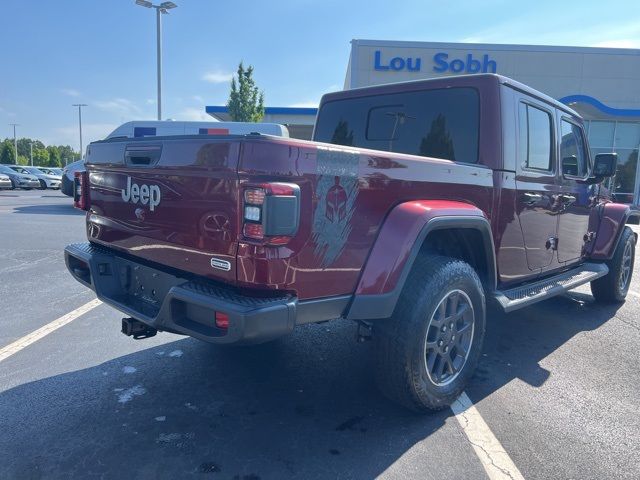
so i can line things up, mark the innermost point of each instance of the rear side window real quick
(572, 153)
(535, 138)
(431, 123)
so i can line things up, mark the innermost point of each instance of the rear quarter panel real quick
(346, 196)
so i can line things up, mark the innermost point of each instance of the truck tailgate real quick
(172, 200)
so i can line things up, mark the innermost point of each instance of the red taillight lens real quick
(222, 320)
(253, 230)
(81, 190)
(279, 188)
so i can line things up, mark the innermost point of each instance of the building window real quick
(624, 139)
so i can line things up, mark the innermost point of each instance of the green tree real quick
(40, 156)
(22, 159)
(246, 102)
(67, 154)
(7, 153)
(54, 156)
(24, 147)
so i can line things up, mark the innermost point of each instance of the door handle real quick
(531, 198)
(567, 199)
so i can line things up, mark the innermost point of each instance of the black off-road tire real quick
(613, 288)
(401, 366)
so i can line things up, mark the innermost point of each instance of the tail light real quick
(270, 212)
(81, 190)
(222, 320)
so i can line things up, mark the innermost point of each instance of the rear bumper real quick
(5, 184)
(165, 301)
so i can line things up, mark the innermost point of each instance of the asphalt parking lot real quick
(558, 385)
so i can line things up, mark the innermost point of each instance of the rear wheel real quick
(614, 286)
(429, 348)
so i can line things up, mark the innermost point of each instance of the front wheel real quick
(43, 185)
(429, 348)
(614, 286)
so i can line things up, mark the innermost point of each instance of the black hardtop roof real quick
(479, 79)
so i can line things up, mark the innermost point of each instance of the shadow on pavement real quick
(517, 342)
(301, 407)
(55, 209)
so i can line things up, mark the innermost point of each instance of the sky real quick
(103, 52)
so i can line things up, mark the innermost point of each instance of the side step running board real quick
(532, 293)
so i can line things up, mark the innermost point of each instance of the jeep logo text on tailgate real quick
(144, 194)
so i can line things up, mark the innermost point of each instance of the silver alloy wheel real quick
(449, 338)
(625, 270)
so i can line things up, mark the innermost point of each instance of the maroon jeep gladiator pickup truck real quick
(415, 206)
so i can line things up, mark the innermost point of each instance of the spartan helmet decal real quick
(336, 191)
(336, 207)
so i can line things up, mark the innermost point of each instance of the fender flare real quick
(397, 245)
(613, 219)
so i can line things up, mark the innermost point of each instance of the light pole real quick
(163, 8)
(80, 105)
(15, 141)
(31, 151)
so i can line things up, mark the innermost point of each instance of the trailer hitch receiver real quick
(136, 329)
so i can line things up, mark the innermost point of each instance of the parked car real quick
(25, 181)
(416, 204)
(46, 177)
(5, 181)
(67, 176)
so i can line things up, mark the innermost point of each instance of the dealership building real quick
(602, 84)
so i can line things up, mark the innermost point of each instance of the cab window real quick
(441, 123)
(535, 138)
(572, 153)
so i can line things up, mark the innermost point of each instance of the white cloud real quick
(70, 92)
(68, 135)
(217, 77)
(194, 114)
(150, 101)
(120, 106)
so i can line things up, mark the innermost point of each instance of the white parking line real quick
(42, 332)
(494, 458)
(635, 294)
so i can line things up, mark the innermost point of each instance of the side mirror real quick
(605, 165)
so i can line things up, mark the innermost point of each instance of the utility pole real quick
(15, 141)
(80, 105)
(31, 151)
(159, 60)
(163, 8)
